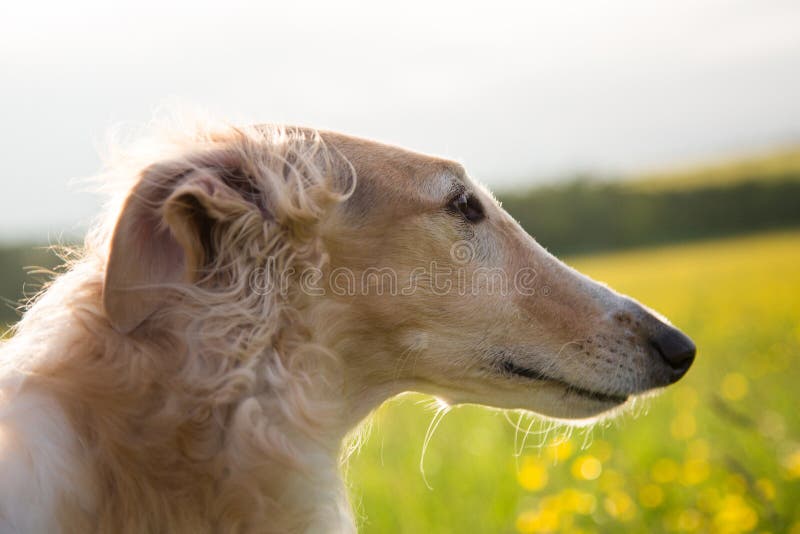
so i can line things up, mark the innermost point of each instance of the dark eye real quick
(468, 206)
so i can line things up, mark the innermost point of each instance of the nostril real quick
(675, 348)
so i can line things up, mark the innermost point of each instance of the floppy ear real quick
(164, 236)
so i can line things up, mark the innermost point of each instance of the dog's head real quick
(421, 280)
(452, 296)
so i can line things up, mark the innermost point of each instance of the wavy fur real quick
(201, 416)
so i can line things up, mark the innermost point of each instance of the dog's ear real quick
(164, 235)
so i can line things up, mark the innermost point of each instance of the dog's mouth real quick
(510, 368)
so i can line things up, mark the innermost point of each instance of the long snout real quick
(605, 343)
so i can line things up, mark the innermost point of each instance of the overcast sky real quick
(518, 92)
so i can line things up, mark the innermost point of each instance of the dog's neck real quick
(184, 448)
(267, 458)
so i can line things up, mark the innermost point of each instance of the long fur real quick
(199, 418)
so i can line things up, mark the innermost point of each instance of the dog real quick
(250, 295)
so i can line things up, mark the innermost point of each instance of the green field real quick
(718, 452)
(774, 165)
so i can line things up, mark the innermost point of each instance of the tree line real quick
(578, 217)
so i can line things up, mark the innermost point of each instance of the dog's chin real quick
(556, 398)
(551, 400)
(569, 404)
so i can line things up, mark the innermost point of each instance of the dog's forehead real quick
(398, 169)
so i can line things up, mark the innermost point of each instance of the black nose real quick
(675, 348)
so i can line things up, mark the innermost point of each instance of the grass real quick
(718, 452)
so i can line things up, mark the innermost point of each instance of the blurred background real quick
(653, 145)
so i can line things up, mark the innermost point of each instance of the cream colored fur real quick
(181, 376)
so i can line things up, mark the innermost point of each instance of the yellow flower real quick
(683, 426)
(548, 520)
(551, 502)
(619, 505)
(694, 472)
(766, 488)
(734, 386)
(586, 467)
(543, 520)
(792, 464)
(526, 522)
(532, 474)
(559, 449)
(735, 515)
(651, 495)
(579, 502)
(664, 470)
